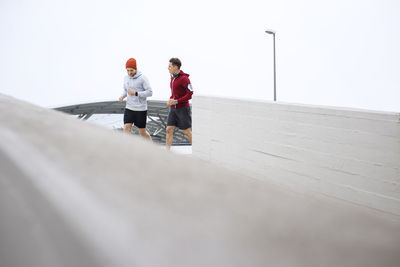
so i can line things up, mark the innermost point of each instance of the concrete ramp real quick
(75, 194)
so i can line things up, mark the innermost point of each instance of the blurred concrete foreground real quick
(75, 194)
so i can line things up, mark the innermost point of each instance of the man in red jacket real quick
(179, 109)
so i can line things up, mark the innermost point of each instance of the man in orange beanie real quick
(136, 90)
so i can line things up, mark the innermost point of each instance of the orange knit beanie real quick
(131, 63)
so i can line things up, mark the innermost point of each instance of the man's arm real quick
(147, 89)
(188, 92)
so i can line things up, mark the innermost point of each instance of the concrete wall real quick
(349, 154)
(82, 195)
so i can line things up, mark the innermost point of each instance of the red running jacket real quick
(181, 89)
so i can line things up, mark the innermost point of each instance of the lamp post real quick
(273, 33)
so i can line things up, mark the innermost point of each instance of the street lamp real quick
(273, 33)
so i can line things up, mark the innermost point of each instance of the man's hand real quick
(131, 92)
(121, 98)
(171, 102)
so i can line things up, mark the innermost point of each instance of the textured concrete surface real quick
(349, 154)
(75, 194)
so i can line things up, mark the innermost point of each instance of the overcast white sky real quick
(336, 53)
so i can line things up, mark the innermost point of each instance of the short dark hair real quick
(176, 62)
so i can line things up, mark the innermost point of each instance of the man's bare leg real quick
(127, 127)
(169, 137)
(144, 133)
(188, 133)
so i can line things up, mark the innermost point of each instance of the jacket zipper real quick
(173, 96)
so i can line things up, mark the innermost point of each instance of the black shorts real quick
(180, 117)
(138, 118)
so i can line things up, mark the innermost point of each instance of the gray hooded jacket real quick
(140, 84)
